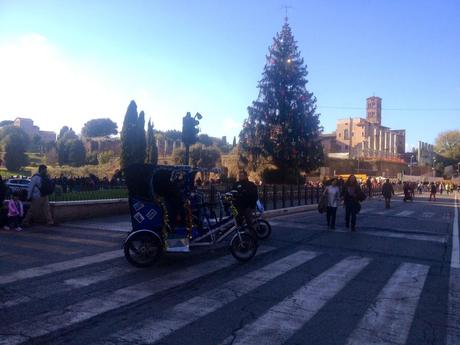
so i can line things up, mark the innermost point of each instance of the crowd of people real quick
(352, 192)
(68, 184)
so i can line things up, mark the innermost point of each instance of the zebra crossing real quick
(387, 320)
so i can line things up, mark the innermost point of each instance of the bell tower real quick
(374, 110)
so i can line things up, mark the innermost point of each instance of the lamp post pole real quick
(434, 170)
(410, 166)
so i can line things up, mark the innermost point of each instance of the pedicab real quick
(168, 216)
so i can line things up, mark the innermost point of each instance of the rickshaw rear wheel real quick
(143, 249)
(243, 246)
(263, 229)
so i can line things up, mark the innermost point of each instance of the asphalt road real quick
(395, 281)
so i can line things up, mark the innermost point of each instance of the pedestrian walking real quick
(387, 192)
(15, 212)
(369, 187)
(433, 190)
(332, 193)
(352, 196)
(40, 188)
(3, 208)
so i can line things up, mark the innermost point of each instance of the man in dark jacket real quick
(387, 192)
(245, 199)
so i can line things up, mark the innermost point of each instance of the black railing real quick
(272, 196)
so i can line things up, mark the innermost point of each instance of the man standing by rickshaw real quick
(245, 200)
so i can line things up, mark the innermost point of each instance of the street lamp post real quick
(410, 166)
(434, 170)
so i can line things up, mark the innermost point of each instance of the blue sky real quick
(65, 62)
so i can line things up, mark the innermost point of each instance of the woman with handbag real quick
(332, 195)
(352, 196)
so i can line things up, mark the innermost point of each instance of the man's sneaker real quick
(6, 227)
(18, 228)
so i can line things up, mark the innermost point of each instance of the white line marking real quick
(53, 321)
(70, 284)
(391, 234)
(280, 322)
(59, 266)
(152, 330)
(389, 319)
(455, 258)
(100, 276)
(367, 210)
(453, 314)
(427, 214)
(417, 237)
(404, 213)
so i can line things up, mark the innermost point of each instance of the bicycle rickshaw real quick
(167, 215)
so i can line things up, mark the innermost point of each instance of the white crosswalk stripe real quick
(405, 213)
(428, 214)
(59, 267)
(367, 210)
(393, 233)
(388, 321)
(287, 317)
(185, 313)
(87, 309)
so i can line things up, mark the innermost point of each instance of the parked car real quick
(17, 184)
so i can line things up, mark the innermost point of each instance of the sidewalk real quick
(122, 223)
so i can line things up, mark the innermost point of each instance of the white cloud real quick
(38, 81)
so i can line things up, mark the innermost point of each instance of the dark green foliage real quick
(283, 126)
(99, 128)
(65, 137)
(173, 135)
(234, 142)
(133, 143)
(204, 156)
(63, 152)
(6, 123)
(141, 139)
(152, 149)
(77, 153)
(67, 133)
(277, 176)
(15, 142)
(447, 144)
(205, 139)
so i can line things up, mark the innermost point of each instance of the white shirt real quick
(333, 196)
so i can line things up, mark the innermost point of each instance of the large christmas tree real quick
(283, 125)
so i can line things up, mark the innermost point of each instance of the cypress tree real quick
(128, 137)
(152, 149)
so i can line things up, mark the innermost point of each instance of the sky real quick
(66, 62)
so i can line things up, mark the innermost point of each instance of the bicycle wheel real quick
(243, 247)
(143, 249)
(263, 229)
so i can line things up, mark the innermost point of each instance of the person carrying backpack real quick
(40, 188)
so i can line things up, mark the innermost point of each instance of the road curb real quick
(289, 210)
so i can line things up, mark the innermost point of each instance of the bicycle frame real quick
(223, 227)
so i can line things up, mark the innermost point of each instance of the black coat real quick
(387, 190)
(247, 194)
(352, 194)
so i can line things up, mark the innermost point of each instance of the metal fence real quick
(272, 196)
